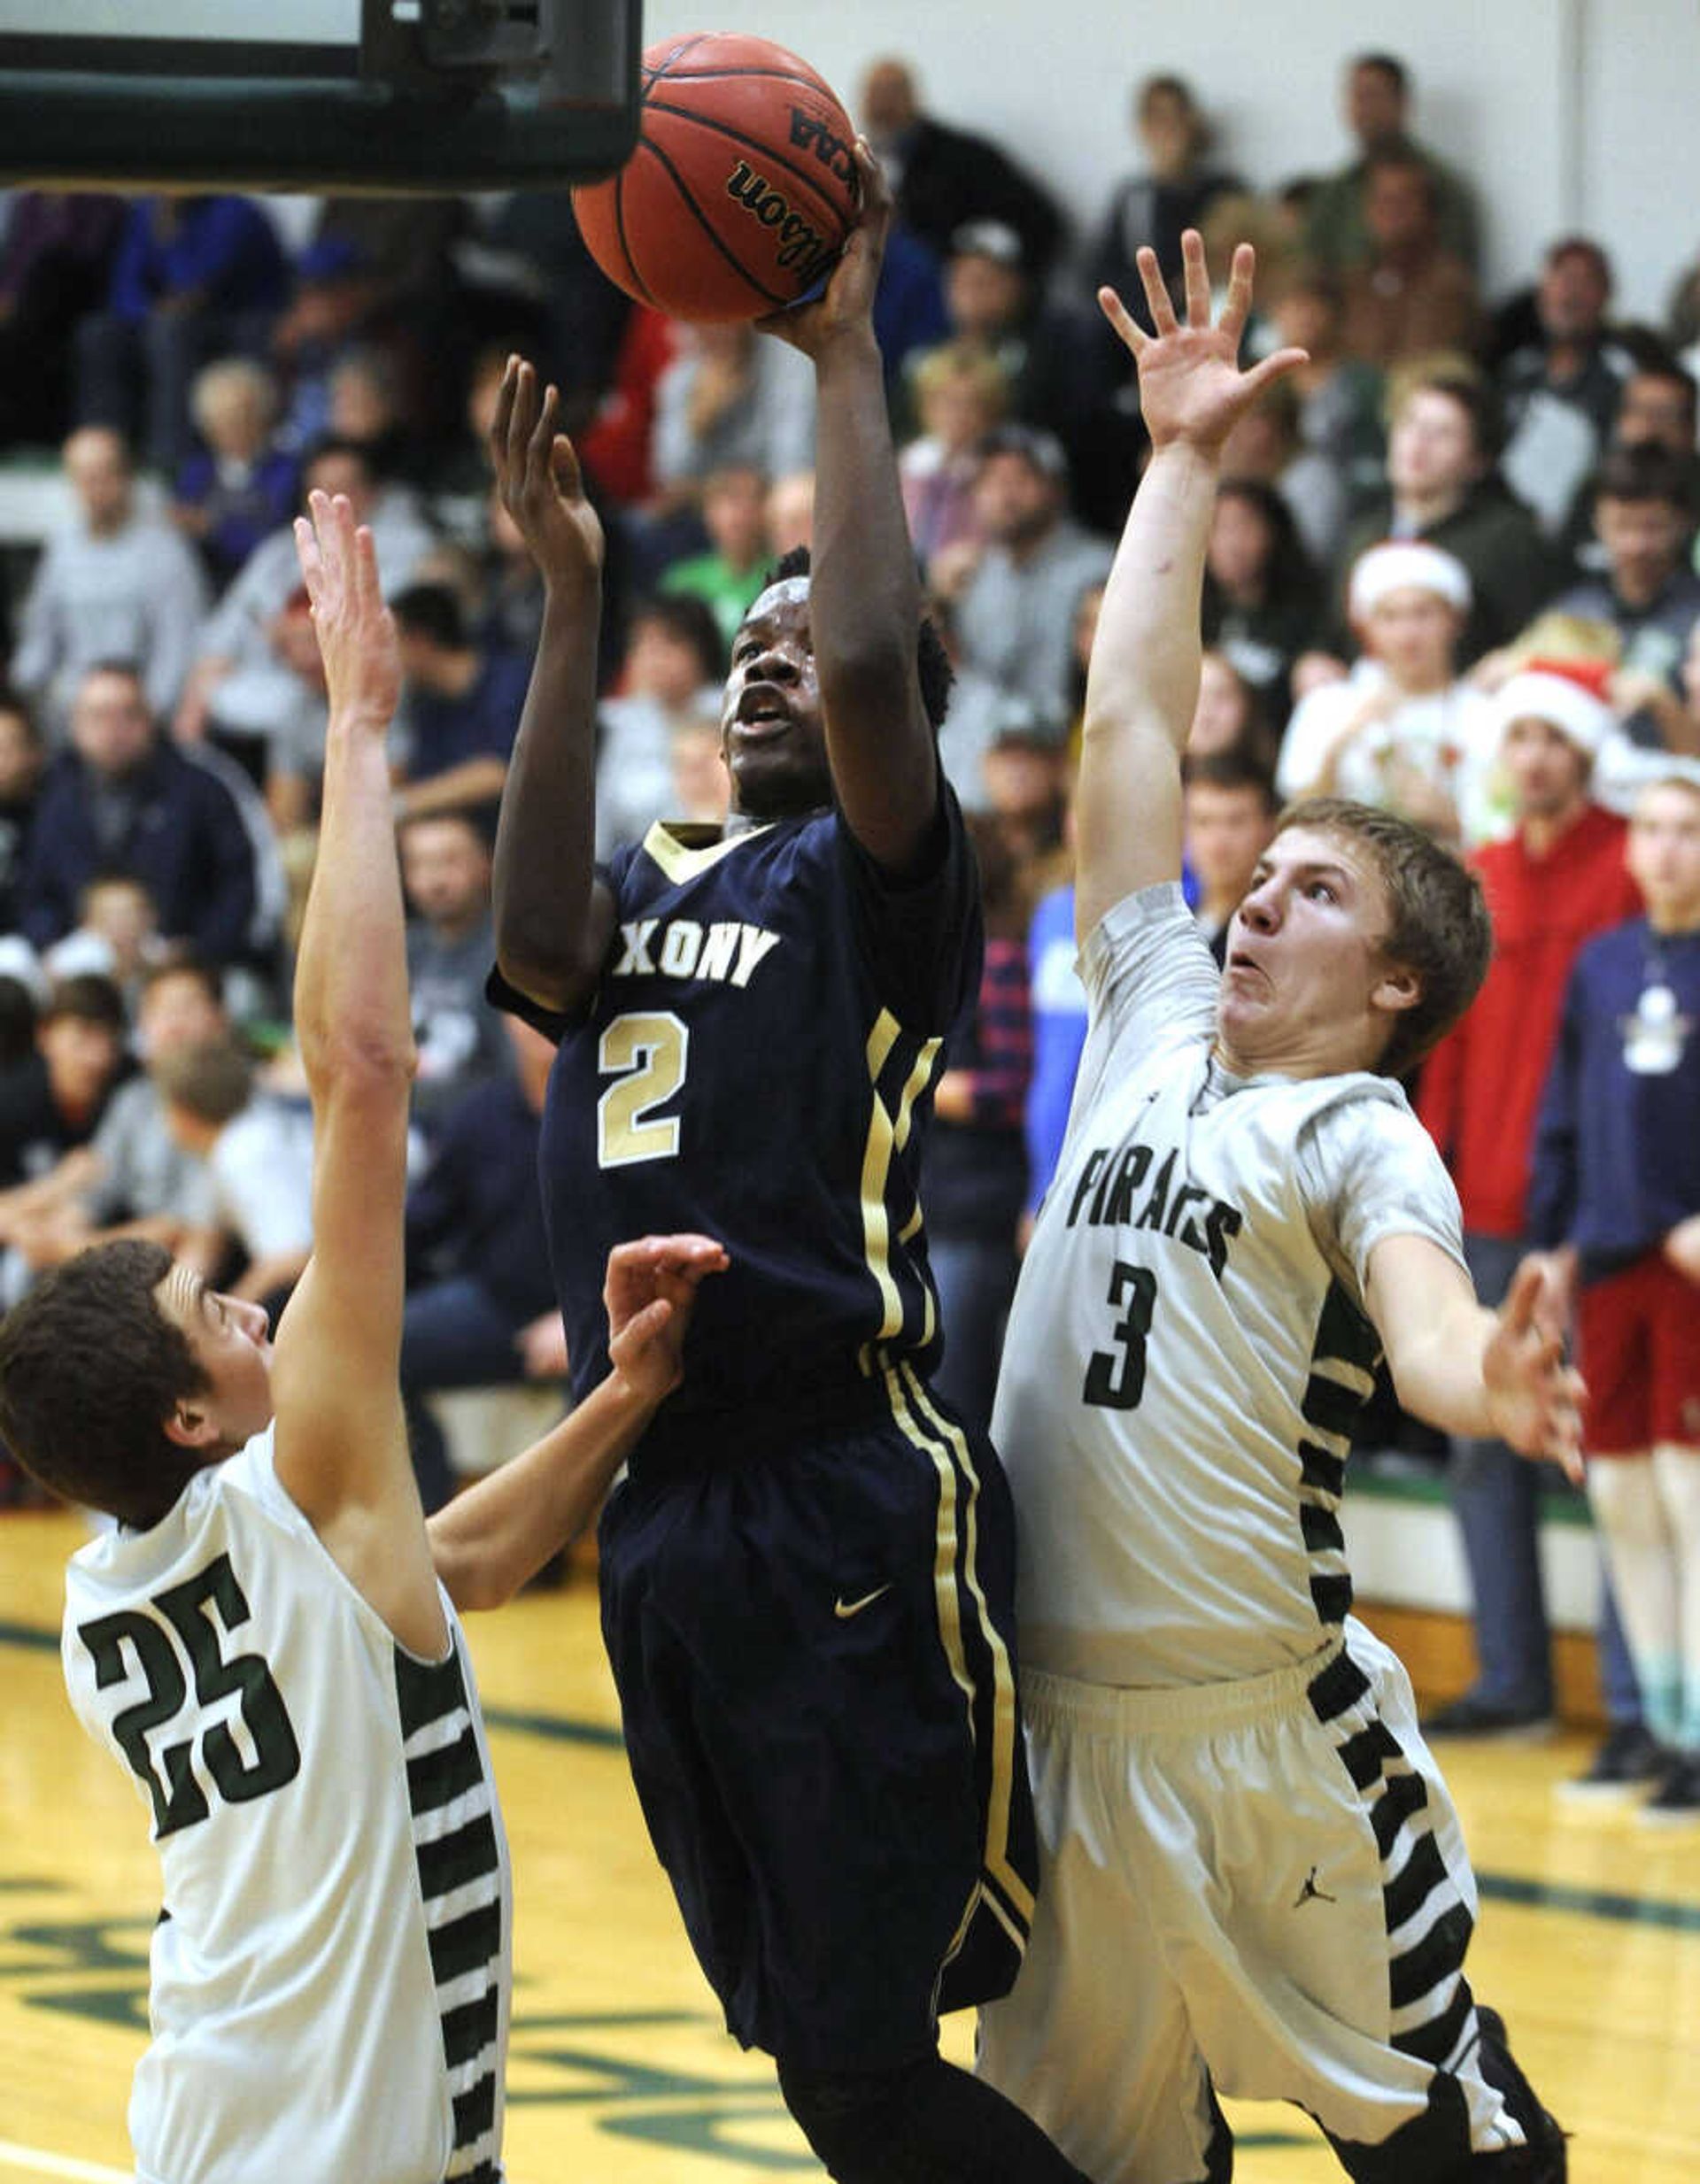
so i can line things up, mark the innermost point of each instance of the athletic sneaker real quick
(1471, 1717)
(1544, 2160)
(1677, 1797)
(1630, 1757)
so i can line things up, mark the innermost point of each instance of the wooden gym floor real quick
(1590, 1939)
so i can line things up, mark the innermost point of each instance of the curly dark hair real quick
(932, 661)
(91, 1369)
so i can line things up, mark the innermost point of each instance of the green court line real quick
(1497, 1887)
(1560, 1504)
(1547, 1895)
(560, 1728)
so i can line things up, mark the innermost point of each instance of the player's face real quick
(232, 1345)
(771, 732)
(1307, 988)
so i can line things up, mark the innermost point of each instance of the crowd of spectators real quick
(1452, 562)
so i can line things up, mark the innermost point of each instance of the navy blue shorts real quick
(812, 1643)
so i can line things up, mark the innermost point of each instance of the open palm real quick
(355, 630)
(1192, 389)
(537, 475)
(1534, 1398)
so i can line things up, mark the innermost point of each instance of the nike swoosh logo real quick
(845, 1608)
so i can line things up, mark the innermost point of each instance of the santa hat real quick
(1407, 565)
(1568, 694)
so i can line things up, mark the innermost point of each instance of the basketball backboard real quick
(382, 94)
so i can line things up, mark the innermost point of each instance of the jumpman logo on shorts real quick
(1310, 1892)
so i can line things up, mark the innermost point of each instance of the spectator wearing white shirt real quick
(258, 1149)
(1402, 731)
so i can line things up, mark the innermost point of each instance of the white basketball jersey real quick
(1187, 1351)
(331, 1972)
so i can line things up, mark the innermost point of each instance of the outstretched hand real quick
(649, 1293)
(1534, 1398)
(848, 305)
(538, 478)
(1192, 389)
(355, 630)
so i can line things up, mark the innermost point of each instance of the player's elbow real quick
(550, 970)
(473, 1585)
(1134, 723)
(361, 1066)
(546, 984)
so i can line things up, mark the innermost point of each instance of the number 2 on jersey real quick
(179, 1800)
(648, 1052)
(1116, 1378)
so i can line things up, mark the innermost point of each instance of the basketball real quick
(741, 190)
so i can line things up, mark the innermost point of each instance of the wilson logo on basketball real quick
(802, 247)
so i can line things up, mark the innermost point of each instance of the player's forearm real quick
(865, 607)
(1437, 1373)
(491, 1540)
(1145, 657)
(354, 1025)
(544, 864)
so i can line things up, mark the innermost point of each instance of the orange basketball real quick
(742, 189)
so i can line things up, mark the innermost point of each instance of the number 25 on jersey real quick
(199, 1615)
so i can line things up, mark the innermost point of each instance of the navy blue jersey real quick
(757, 1062)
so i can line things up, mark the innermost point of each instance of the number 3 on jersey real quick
(645, 1053)
(1116, 1378)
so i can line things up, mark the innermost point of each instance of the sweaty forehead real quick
(780, 602)
(1315, 845)
(179, 1294)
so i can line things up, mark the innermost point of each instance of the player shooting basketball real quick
(806, 1579)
